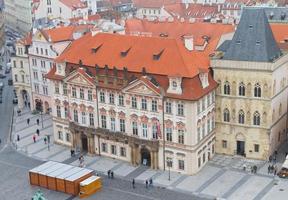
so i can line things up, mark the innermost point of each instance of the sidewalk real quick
(223, 177)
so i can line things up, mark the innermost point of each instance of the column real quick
(152, 159)
(156, 159)
(91, 144)
(132, 155)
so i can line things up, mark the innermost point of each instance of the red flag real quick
(158, 129)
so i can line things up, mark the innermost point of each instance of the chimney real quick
(189, 42)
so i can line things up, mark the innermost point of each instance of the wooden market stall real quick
(89, 186)
(60, 179)
(43, 179)
(33, 173)
(51, 177)
(72, 183)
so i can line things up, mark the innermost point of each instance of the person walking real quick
(25, 102)
(29, 105)
(28, 121)
(18, 138)
(45, 140)
(275, 170)
(112, 174)
(133, 183)
(38, 122)
(150, 182)
(146, 182)
(34, 138)
(109, 172)
(38, 132)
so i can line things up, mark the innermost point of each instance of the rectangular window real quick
(181, 164)
(14, 63)
(154, 131)
(256, 148)
(57, 89)
(203, 104)
(23, 78)
(181, 136)
(58, 108)
(15, 78)
(135, 128)
(104, 147)
(168, 108)
(169, 134)
(35, 74)
(75, 116)
(91, 119)
(66, 112)
(144, 130)
(45, 90)
(89, 95)
(134, 102)
(111, 98)
(199, 162)
(60, 135)
(203, 130)
(21, 64)
(113, 149)
(208, 126)
(83, 118)
(123, 151)
(208, 100)
(103, 121)
(74, 94)
(180, 109)
(144, 104)
(46, 52)
(102, 97)
(224, 144)
(121, 100)
(36, 87)
(122, 125)
(154, 106)
(65, 89)
(198, 107)
(81, 93)
(113, 124)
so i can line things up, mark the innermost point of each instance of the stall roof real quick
(89, 180)
(42, 167)
(69, 173)
(60, 171)
(78, 175)
(51, 169)
(285, 164)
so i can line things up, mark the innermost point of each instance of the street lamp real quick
(169, 164)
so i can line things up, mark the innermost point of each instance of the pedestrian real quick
(34, 138)
(71, 152)
(146, 182)
(29, 104)
(270, 159)
(133, 183)
(25, 102)
(28, 121)
(45, 140)
(275, 170)
(112, 174)
(19, 112)
(269, 169)
(150, 182)
(255, 169)
(38, 122)
(18, 138)
(109, 171)
(244, 167)
(38, 132)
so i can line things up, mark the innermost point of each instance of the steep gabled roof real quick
(253, 39)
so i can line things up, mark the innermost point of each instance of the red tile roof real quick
(27, 40)
(153, 3)
(91, 18)
(174, 59)
(73, 4)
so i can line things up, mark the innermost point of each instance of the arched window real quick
(241, 117)
(226, 115)
(257, 90)
(227, 88)
(241, 89)
(256, 118)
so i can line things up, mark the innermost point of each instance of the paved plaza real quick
(223, 177)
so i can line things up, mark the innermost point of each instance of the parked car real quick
(15, 100)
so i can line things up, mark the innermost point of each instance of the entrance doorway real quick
(145, 157)
(84, 142)
(240, 148)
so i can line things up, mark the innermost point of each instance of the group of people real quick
(272, 169)
(253, 168)
(110, 174)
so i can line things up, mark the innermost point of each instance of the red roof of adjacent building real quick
(153, 3)
(91, 18)
(27, 40)
(73, 4)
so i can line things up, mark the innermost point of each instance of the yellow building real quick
(251, 101)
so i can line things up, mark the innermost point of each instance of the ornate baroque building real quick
(145, 100)
(251, 100)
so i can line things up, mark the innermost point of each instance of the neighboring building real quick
(251, 100)
(21, 72)
(2, 30)
(46, 45)
(60, 9)
(113, 98)
(18, 14)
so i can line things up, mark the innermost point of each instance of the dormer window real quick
(157, 56)
(124, 53)
(174, 83)
(204, 79)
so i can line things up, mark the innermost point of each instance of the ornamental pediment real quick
(140, 88)
(79, 79)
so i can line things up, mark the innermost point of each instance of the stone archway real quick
(240, 144)
(84, 142)
(145, 156)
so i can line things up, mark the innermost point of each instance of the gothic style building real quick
(145, 100)
(251, 100)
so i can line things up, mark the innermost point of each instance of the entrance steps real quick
(137, 172)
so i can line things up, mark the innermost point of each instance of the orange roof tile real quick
(91, 18)
(140, 52)
(153, 3)
(73, 4)
(280, 31)
(27, 40)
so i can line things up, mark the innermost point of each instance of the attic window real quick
(94, 50)
(157, 56)
(124, 53)
(258, 42)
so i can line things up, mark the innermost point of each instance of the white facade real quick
(152, 13)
